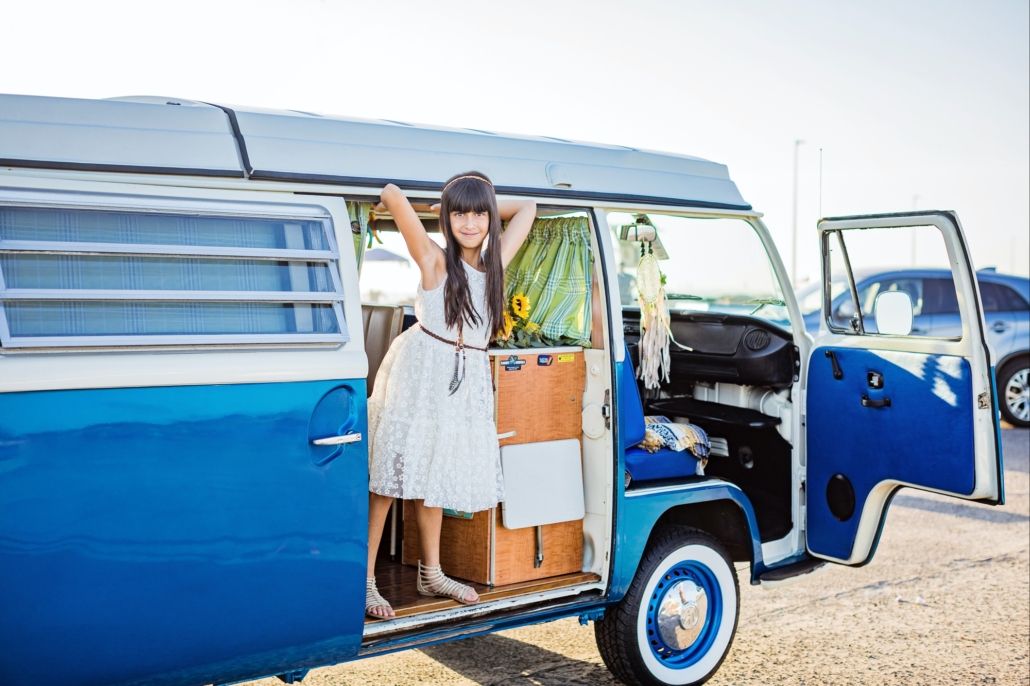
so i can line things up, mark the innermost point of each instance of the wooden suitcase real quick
(538, 394)
(539, 397)
(466, 551)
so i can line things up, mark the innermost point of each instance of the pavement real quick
(946, 600)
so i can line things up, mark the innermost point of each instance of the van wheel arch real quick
(722, 519)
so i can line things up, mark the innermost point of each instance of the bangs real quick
(470, 195)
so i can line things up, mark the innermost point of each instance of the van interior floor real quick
(396, 583)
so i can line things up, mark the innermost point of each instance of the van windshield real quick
(709, 265)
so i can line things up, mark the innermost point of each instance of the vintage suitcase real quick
(538, 393)
(466, 551)
(539, 400)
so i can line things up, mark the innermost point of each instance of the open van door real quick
(887, 405)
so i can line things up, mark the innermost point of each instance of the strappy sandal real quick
(374, 600)
(432, 582)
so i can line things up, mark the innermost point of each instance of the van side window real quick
(850, 253)
(867, 295)
(85, 277)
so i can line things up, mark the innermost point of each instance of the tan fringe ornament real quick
(655, 361)
(655, 334)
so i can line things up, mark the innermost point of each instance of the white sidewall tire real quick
(724, 573)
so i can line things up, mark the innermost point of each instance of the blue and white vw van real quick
(185, 361)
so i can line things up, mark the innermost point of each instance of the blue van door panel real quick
(182, 534)
(885, 411)
(924, 437)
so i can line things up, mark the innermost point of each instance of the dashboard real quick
(729, 348)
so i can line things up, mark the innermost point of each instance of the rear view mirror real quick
(893, 312)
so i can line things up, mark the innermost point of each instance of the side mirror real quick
(893, 312)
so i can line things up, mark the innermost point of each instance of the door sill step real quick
(800, 568)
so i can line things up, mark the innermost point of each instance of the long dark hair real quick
(472, 192)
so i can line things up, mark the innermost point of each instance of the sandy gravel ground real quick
(946, 600)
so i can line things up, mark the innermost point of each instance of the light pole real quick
(794, 231)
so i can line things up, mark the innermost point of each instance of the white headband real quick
(468, 176)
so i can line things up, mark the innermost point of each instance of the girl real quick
(433, 437)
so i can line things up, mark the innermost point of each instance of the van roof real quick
(176, 136)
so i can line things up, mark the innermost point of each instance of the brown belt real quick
(458, 344)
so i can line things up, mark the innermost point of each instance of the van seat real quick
(642, 465)
(382, 324)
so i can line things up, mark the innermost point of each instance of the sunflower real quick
(520, 305)
(509, 323)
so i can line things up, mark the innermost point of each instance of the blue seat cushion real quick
(664, 464)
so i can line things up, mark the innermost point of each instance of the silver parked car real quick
(1006, 304)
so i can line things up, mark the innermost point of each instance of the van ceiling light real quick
(558, 176)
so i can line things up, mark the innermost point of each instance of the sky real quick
(913, 104)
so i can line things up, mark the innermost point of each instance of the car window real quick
(939, 297)
(810, 298)
(1013, 299)
(854, 251)
(999, 298)
(914, 288)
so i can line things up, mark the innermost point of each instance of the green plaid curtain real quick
(358, 212)
(554, 270)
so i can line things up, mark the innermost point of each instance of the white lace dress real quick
(425, 443)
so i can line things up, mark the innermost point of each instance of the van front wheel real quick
(677, 621)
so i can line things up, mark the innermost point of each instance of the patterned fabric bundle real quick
(553, 269)
(660, 433)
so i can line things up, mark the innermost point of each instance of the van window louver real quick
(103, 277)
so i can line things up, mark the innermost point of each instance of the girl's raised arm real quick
(427, 254)
(520, 215)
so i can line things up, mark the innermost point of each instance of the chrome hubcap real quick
(1017, 395)
(682, 614)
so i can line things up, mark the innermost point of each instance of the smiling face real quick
(470, 229)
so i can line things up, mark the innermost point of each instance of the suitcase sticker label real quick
(513, 363)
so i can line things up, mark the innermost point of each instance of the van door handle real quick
(867, 402)
(1000, 327)
(338, 440)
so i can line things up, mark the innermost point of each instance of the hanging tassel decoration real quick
(459, 367)
(455, 379)
(655, 333)
(655, 360)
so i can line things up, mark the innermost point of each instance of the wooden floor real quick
(396, 583)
